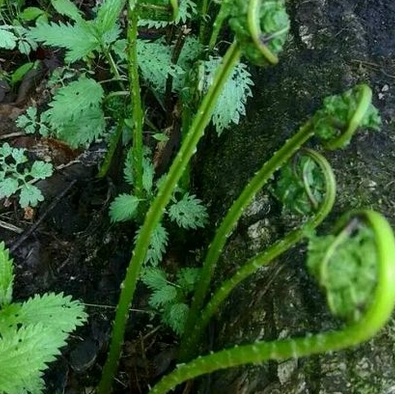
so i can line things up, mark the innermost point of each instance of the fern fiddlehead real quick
(379, 302)
(317, 125)
(266, 257)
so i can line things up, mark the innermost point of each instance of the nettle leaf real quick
(163, 296)
(128, 169)
(108, 14)
(6, 276)
(79, 39)
(8, 187)
(124, 208)
(233, 98)
(8, 39)
(89, 127)
(155, 63)
(30, 196)
(187, 278)
(157, 245)
(188, 212)
(148, 174)
(153, 277)
(68, 8)
(175, 316)
(41, 170)
(71, 100)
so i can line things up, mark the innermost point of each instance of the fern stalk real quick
(156, 210)
(224, 231)
(137, 112)
(377, 314)
(266, 257)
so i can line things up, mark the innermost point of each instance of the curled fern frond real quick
(260, 27)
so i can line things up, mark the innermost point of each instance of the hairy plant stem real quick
(156, 210)
(203, 18)
(137, 111)
(266, 257)
(218, 22)
(378, 312)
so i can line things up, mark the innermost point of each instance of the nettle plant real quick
(31, 332)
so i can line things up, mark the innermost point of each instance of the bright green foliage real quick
(15, 176)
(124, 208)
(157, 245)
(13, 36)
(31, 333)
(169, 298)
(76, 112)
(30, 122)
(233, 98)
(337, 112)
(83, 37)
(67, 8)
(300, 186)
(345, 267)
(188, 212)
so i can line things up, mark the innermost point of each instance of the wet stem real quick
(156, 210)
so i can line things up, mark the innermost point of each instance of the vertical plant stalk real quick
(224, 231)
(266, 257)
(137, 111)
(203, 17)
(222, 14)
(156, 210)
(377, 314)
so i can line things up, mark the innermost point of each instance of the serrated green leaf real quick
(175, 316)
(41, 170)
(124, 208)
(188, 212)
(8, 187)
(187, 278)
(79, 39)
(163, 296)
(70, 101)
(7, 39)
(154, 278)
(19, 155)
(30, 196)
(55, 311)
(108, 14)
(68, 8)
(6, 276)
(233, 98)
(5, 149)
(148, 174)
(157, 246)
(128, 169)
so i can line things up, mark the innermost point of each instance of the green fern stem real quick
(267, 256)
(137, 112)
(377, 314)
(224, 231)
(219, 20)
(156, 210)
(203, 20)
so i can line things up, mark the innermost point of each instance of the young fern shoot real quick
(365, 249)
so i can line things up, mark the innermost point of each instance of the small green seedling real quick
(31, 332)
(17, 176)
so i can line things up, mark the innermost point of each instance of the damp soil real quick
(69, 245)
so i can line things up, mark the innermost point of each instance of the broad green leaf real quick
(72, 100)
(124, 208)
(30, 196)
(8, 187)
(31, 13)
(6, 276)
(41, 170)
(79, 39)
(68, 8)
(7, 39)
(20, 72)
(19, 155)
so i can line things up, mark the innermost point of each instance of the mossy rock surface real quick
(333, 45)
